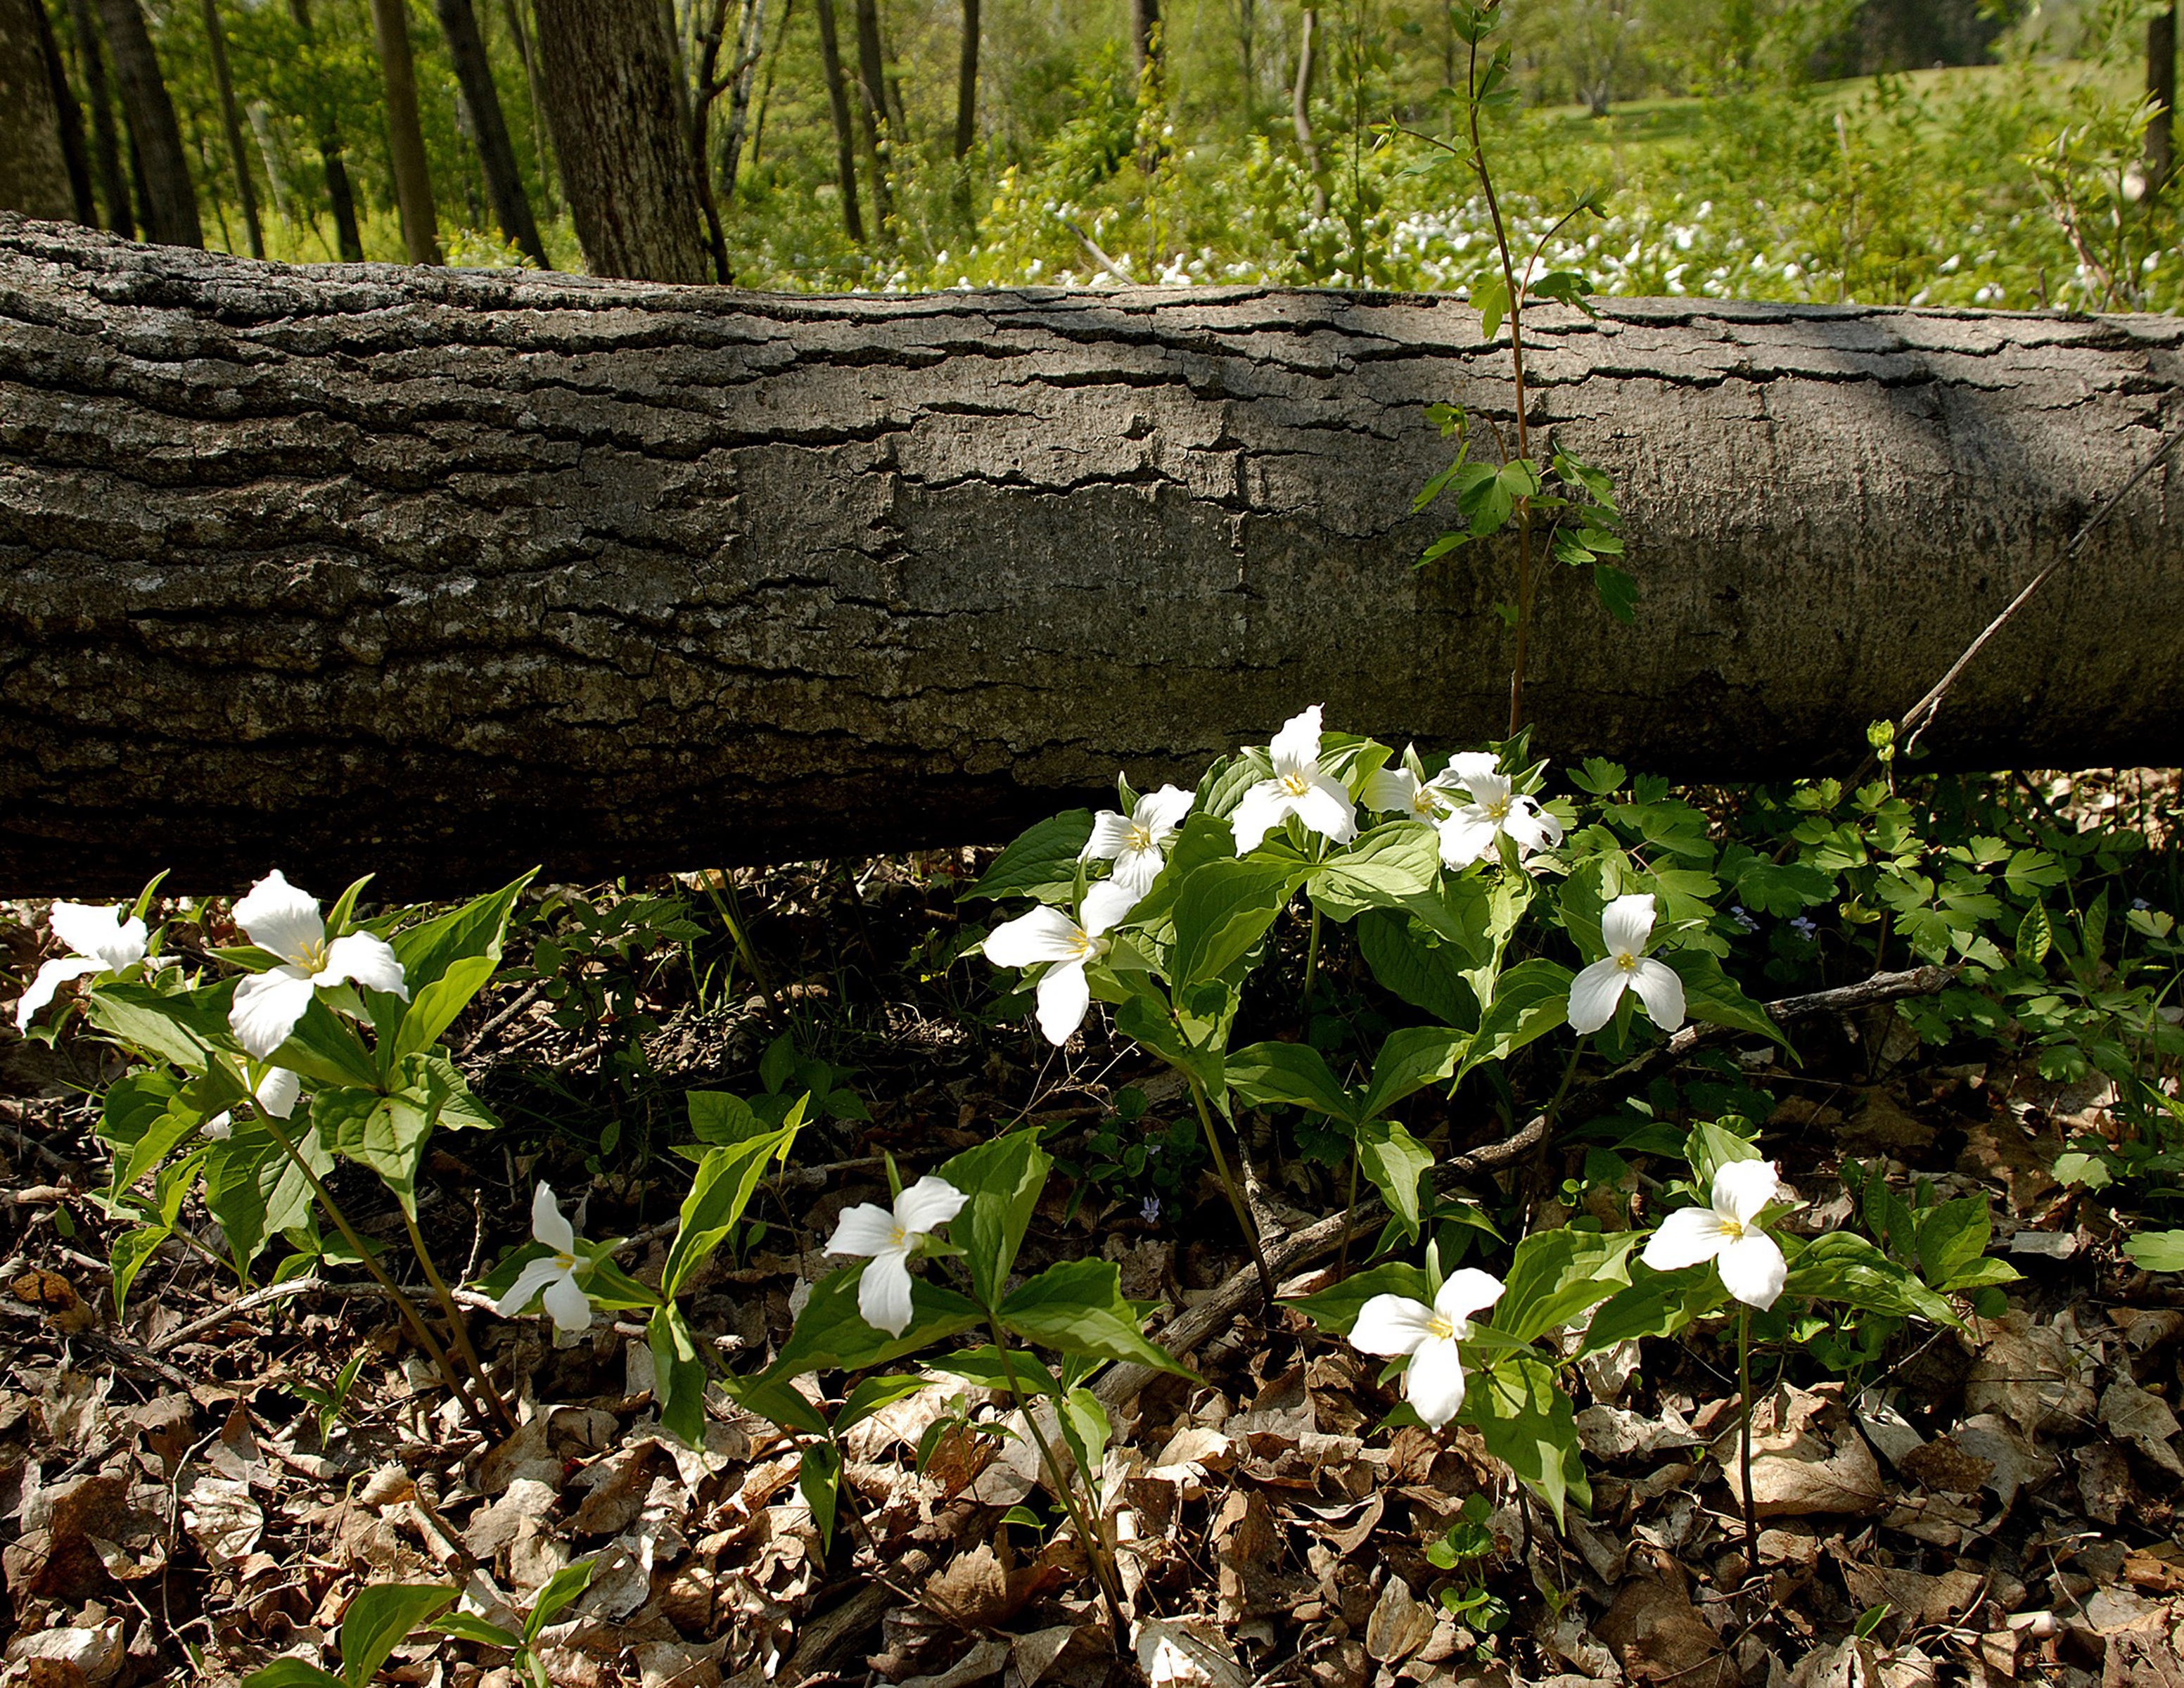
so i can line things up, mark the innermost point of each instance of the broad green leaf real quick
(380, 1618)
(1041, 863)
(1709, 1146)
(2036, 937)
(873, 1394)
(1336, 1308)
(1527, 1422)
(476, 929)
(991, 1367)
(831, 1335)
(1288, 1075)
(1952, 1238)
(1395, 1161)
(1530, 999)
(1781, 888)
(727, 1177)
(433, 1009)
(1003, 1179)
(1223, 910)
(2156, 1250)
(254, 1190)
(385, 1132)
(1658, 1304)
(776, 1399)
(326, 1049)
(819, 1480)
(1145, 1021)
(1077, 1307)
(678, 1375)
(1710, 995)
(1087, 1429)
(1410, 1059)
(716, 1116)
(182, 1028)
(1387, 867)
(291, 1673)
(1842, 1266)
(1425, 973)
(1556, 1275)
(126, 1258)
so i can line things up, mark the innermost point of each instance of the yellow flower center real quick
(1627, 961)
(1498, 809)
(1138, 838)
(898, 1236)
(1731, 1229)
(1295, 784)
(1441, 1328)
(567, 1263)
(312, 959)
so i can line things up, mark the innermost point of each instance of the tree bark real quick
(440, 574)
(504, 181)
(871, 109)
(105, 141)
(966, 83)
(513, 11)
(231, 117)
(837, 100)
(1145, 42)
(609, 73)
(163, 193)
(405, 134)
(710, 86)
(340, 198)
(33, 174)
(1300, 106)
(69, 116)
(2161, 94)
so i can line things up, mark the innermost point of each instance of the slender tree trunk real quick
(766, 89)
(708, 86)
(169, 201)
(966, 83)
(34, 175)
(2161, 94)
(504, 180)
(664, 579)
(1146, 45)
(279, 190)
(872, 110)
(105, 139)
(69, 118)
(609, 71)
(1247, 49)
(405, 135)
(743, 79)
(513, 11)
(231, 117)
(1301, 107)
(838, 99)
(340, 198)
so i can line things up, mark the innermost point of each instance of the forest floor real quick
(1991, 1506)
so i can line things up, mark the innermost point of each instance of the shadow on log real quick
(441, 573)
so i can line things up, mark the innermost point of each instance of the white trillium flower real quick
(1726, 1233)
(1298, 788)
(276, 1092)
(1625, 924)
(1133, 843)
(99, 941)
(556, 1274)
(1047, 935)
(1406, 790)
(1395, 1325)
(278, 917)
(887, 1238)
(1496, 808)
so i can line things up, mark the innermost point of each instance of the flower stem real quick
(1228, 1183)
(418, 1327)
(1095, 1546)
(1311, 958)
(1744, 1435)
(458, 1326)
(1342, 1260)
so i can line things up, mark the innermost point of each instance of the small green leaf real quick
(1002, 1180)
(1410, 1059)
(2036, 937)
(380, 1618)
(819, 1480)
(2156, 1250)
(1395, 1161)
(1336, 1308)
(1041, 863)
(727, 1177)
(1288, 1075)
(1077, 1307)
(1530, 999)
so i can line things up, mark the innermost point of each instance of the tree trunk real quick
(105, 141)
(164, 192)
(1300, 106)
(513, 11)
(871, 109)
(504, 181)
(405, 135)
(1146, 44)
(33, 174)
(70, 117)
(609, 74)
(340, 198)
(2161, 94)
(231, 117)
(441, 573)
(710, 85)
(838, 99)
(966, 83)
(743, 81)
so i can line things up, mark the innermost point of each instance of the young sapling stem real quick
(1744, 1436)
(459, 1328)
(1229, 1184)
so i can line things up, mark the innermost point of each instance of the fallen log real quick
(442, 573)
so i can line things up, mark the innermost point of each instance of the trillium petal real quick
(1551, 829)
(1295, 749)
(1045, 934)
(370, 961)
(1466, 1292)
(1660, 990)
(1326, 808)
(884, 1293)
(1467, 835)
(1627, 922)
(266, 1008)
(927, 1205)
(278, 1092)
(1742, 1190)
(1064, 995)
(1106, 905)
(1111, 836)
(1163, 810)
(1531, 829)
(547, 1224)
(277, 917)
(1435, 1384)
(1466, 769)
(1390, 1325)
(571, 1308)
(866, 1229)
(1135, 870)
(1686, 1237)
(1753, 1269)
(50, 978)
(529, 1283)
(1261, 809)
(89, 929)
(1594, 994)
(1390, 791)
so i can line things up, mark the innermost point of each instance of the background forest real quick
(1990, 153)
